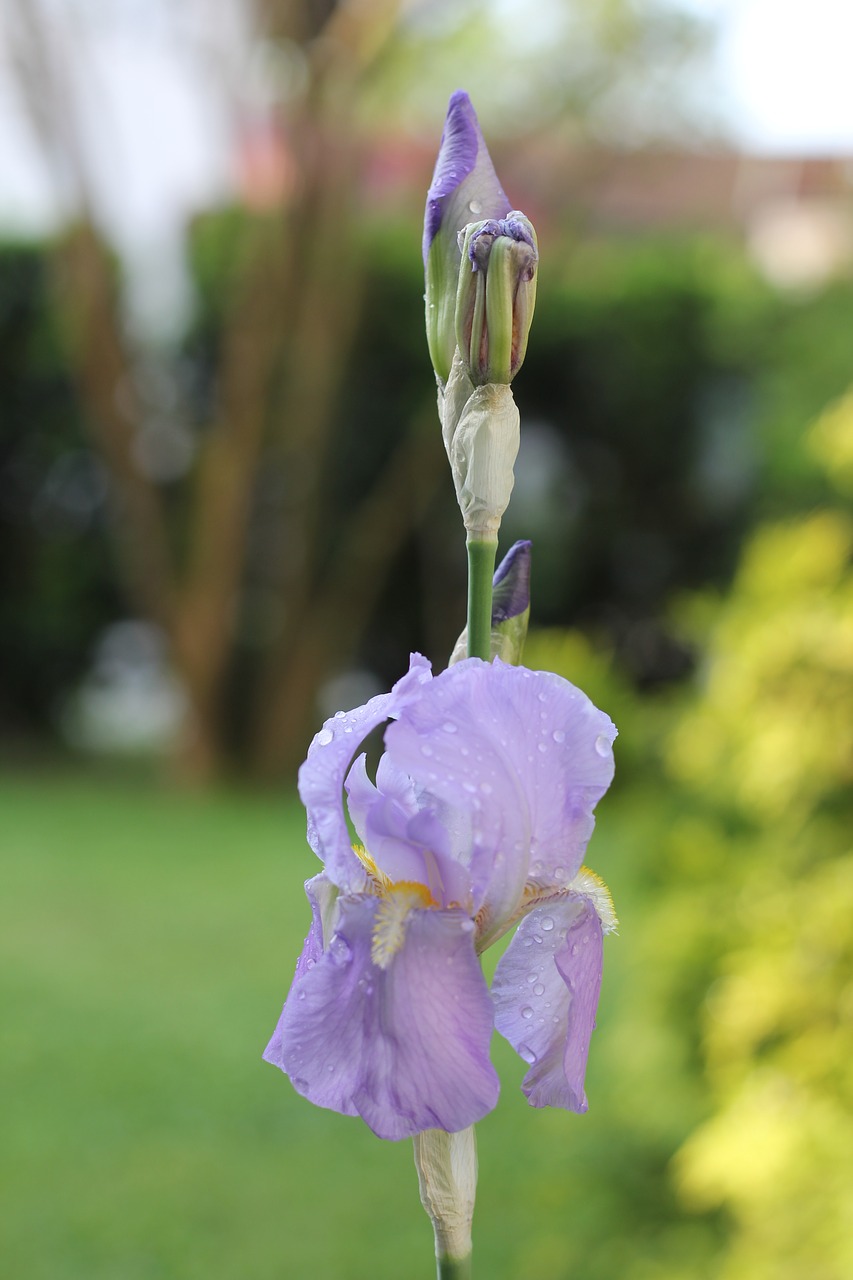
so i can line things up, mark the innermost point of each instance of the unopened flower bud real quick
(496, 296)
(464, 186)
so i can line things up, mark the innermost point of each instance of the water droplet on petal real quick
(558, 735)
(486, 788)
(539, 989)
(324, 737)
(524, 1051)
(537, 937)
(465, 751)
(543, 697)
(339, 950)
(475, 207)
(426, 750)
(542, 747)
(469, 787)
(602, 745)
(449, 726)
(299, 1083)
(309, 964)
(546, 923)
(559, 874)
(533, 975)
(331, 1068)
(527, 1012)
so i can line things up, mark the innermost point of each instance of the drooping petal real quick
(525, 754)
(545, 993)
(405, 1046)
(321, 777)
(322, 895)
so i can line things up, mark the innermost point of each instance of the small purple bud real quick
(511, 583)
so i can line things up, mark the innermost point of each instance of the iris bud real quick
(496, 296)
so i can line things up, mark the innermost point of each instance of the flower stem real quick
(481, 566)
(454, 1268)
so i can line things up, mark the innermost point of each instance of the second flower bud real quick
(496, 296)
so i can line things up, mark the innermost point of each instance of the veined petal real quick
(545, 992)
(321, 777)
(406, 1046)
(526, 755)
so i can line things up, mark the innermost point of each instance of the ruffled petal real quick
(545, 993)
(525, 754)
(321, 777)
(405, 1046)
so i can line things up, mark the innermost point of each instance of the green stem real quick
(481, 566)
(454, 1268)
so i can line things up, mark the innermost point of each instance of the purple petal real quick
(407, 1046)
(525, 754)
(405, 842)
(321, 777)
(321, 894)
(464, 184)
(511, 584)
(545, 993)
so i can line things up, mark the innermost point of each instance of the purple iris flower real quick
(478, 819)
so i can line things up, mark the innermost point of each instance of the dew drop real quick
(558, 735)
(524, 1051)
(527, 1012)
(339, 950)
(449, 726)
(528, 942)
(309, 964)
(559, 874)
(532, 976)
(301, 995)
(426, 750)
(465, 751)
(475, 207)
(602, 745)
(339, 715)
(299, 1083)
(324, 737)
(546, 923)
(537, 937)
(543, 697)
(486, 788)
(469, 787)
(542, 747)
(539, 989)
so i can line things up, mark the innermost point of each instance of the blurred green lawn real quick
(147, 941)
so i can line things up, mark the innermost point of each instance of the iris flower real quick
(477, 821)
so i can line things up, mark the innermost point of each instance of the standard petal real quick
(545, 993)
(406, 1046)
(321, 777)
(526, 754)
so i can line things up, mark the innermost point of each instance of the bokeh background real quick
(226, 513)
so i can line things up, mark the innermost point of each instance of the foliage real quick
(57, 584)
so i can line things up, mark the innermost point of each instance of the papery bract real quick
(480, 814)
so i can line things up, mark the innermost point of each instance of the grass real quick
(146, 942)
